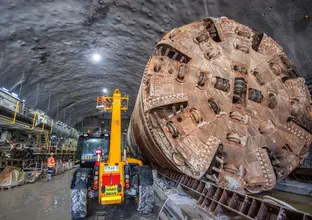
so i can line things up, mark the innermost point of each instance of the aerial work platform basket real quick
(105, 103)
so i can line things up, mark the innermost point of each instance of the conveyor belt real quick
(214, 199)
(19, 117)
(22, 122)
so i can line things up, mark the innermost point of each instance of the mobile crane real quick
(105, 169)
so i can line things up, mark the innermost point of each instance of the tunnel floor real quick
(51, 201)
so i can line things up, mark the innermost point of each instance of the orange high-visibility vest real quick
(51, 162)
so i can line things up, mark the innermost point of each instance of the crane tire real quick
(145, 200)
(79, 196)
(79, 202)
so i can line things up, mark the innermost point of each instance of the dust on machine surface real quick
(221, 102)
(106, 171)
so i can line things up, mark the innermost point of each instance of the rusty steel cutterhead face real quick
(222, 102)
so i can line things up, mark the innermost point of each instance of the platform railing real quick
(14, 116)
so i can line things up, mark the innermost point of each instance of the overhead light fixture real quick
(104, 90)
(5, 89)
(15, 95)
(96, 57)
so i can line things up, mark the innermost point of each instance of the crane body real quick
(105, 167)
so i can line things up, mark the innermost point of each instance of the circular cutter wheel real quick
(245, 91)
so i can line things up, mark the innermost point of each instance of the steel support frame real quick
(214, 199)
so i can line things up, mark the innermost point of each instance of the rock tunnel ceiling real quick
(47, 45)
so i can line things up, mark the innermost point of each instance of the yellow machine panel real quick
(111, 182)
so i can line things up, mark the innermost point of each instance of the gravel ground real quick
(51, 200)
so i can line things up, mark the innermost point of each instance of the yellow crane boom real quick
(116, 104)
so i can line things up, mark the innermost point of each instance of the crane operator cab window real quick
(87, 146)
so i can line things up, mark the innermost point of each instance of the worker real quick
(51, 166)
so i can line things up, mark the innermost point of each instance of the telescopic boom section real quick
(115, 105)
(115, 136)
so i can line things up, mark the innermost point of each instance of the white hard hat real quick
(51, 154)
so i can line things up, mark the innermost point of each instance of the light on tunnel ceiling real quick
(5, 89)
(104, 90)
(15, 95)
(96, 57)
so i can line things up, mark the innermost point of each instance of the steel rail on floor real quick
(214, 199)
